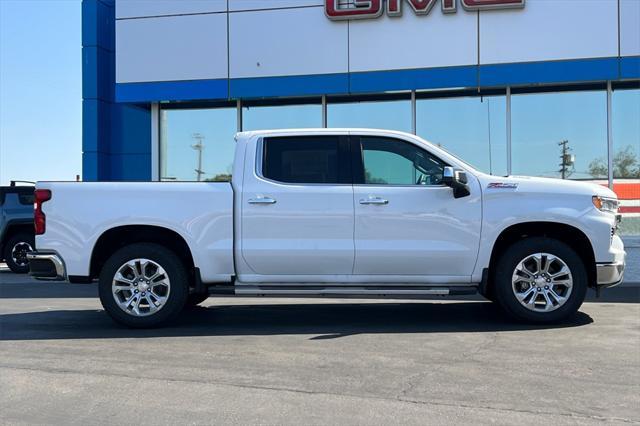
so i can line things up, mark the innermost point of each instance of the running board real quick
(315, 290)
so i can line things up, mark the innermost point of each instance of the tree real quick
(222, 177)
(598, 168)
(625, 165)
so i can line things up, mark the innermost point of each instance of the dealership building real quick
(529, 87)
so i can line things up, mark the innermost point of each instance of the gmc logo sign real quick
(337, 10)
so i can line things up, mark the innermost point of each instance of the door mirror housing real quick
(457, 180)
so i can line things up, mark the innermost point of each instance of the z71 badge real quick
(502, 185)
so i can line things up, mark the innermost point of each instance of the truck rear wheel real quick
(143, 285)
(15, 252)
(540, 280)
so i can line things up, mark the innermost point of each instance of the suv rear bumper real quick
(46, 266)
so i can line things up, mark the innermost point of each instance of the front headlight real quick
(605, 204)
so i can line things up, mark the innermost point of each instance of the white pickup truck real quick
(332, 212)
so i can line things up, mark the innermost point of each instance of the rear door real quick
(297, 209)
(407, 223)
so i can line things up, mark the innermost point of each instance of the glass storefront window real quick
(626, 134)
(626, 157)
(388, 115)
(560, 135)
(281, 117)
(197, 144)
(472, 128)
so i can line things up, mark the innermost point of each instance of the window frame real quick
(345, 170)
(357, 161)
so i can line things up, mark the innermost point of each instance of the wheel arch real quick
(115, 238)
(566, 233)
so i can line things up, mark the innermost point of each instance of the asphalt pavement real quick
(314, 361)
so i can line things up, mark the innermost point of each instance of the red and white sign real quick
(369, 9)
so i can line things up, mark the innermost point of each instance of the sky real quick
(40, 90)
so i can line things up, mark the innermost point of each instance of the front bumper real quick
(610, 274)
(46, 266)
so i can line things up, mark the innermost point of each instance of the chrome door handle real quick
(374, 200)
(262, 200)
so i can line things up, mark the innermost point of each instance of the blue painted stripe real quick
(414, 79)
(299, 85)
(630, 67)
(172, 90)
(549, 72)
(495, 75)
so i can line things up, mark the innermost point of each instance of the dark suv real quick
(16, 226)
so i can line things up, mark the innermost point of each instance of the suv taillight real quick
(39, 219)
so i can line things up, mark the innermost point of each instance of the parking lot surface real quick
(314, 361)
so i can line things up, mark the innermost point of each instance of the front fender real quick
(504, 210)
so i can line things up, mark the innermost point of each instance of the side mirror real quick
(457, 180)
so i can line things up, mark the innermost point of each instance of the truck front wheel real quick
(540, 280)
(143, 285)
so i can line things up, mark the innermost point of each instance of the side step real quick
(341, 291)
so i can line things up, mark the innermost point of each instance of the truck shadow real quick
(318, 320)
(14, 286)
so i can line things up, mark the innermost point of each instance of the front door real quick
(407, 223)
(297, 209)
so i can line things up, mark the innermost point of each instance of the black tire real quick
(513, 255)
(175, 270)
(22, 242)
(195, 299)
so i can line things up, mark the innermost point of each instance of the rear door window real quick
(306, 159)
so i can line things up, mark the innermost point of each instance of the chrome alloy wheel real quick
(19, 253)
(542, 282)
(140, 287)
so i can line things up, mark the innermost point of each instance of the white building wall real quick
(238, 5)
(187, 47)
(412, 41)
(629, 27)
(550, 30)
(172, 40)
(293, 41)
(145, 8)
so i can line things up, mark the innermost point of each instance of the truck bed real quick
(200, 212)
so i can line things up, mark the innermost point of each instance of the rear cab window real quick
(306, 159)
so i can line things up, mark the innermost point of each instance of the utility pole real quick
(198, 146)
(567, 160)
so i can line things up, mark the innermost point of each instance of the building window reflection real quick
(626, 157)
(561, 135)
(389, 115)
(281, 117)
(626, 134)
(197, 144)
(472, 128)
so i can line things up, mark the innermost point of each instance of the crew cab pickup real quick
(332, 212)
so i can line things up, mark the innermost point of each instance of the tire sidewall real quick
(18, 238)
(168, 261)
(517, 252)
